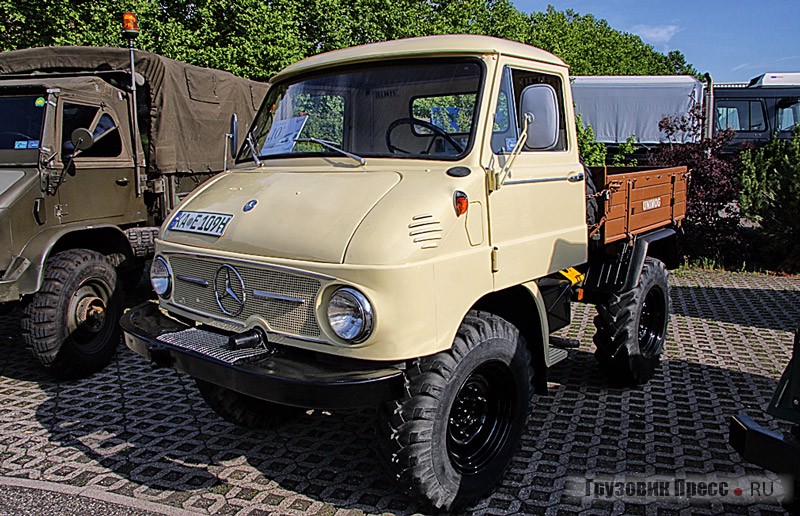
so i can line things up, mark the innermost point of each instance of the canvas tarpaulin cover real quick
(618, 107)
(189, 106)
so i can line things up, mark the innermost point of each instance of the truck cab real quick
(405, 226)
(88, 170)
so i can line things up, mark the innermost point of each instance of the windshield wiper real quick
(333, 146)
(252, 147)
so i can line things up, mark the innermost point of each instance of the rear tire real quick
(632, 328)
(454, 433)
(70, 325)
(243, 410)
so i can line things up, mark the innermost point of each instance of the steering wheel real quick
(437, 131)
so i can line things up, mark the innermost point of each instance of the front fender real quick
(104, 238)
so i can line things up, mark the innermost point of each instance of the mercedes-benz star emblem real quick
(229, 290)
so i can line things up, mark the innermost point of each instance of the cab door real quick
(99, 182)
(537, 217)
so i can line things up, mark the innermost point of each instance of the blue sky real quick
(735, 40)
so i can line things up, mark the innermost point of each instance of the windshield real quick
(421, 109)
(21, 122)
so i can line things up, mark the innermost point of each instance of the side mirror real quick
(540, 102)
(81, 139)
(234, 134)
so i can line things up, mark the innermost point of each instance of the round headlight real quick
(160, 276)
(350, 315)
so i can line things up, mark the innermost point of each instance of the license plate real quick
(200, 222)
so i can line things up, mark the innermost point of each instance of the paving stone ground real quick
(147, 435)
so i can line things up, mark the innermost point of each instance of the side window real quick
(740, 115)
(504, 136)
(504, 129)
(107, 139)
(788, 114)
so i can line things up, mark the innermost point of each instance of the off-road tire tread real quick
(616, 337)
(405, 426)
(142, 240)
(245, 411)
(39, 323)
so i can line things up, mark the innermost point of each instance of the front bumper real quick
(9, 282)
(763, 447)
(278, 374)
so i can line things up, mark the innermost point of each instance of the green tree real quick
(256, 38)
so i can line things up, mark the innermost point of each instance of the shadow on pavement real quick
(154, 431)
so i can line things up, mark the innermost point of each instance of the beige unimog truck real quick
(86, 177)
(405, 227)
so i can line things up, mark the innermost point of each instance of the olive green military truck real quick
(86, 177)
(406, 225)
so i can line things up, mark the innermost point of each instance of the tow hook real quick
(248, 340)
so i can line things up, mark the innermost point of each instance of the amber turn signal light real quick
(461, 202)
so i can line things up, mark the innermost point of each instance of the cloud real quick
(762, 65)
(656, 34)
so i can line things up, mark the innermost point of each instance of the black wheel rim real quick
(481, 418)
(90, 315)
(652, 323)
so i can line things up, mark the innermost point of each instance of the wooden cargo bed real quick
(635, 200)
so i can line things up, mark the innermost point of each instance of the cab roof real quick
(429, 46)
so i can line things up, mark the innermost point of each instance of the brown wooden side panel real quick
(641, 199)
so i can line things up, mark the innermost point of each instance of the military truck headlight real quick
(350, 315)
(161, 276)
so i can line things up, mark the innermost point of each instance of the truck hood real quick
(8, 177)
(294, 215)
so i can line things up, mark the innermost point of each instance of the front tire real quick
(71, 324)
(632, 328)
(454, 433)
(245, 411)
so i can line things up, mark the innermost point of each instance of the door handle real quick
(574, 178)
(123, 181)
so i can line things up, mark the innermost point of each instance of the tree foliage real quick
(256, 38)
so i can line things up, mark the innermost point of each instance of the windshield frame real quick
(245, 156)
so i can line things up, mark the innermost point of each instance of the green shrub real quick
(621, 159)
(769, 178)
(592, 152)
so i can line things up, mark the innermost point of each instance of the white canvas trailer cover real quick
(620, 106)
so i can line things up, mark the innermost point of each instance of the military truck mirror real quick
(234, 134)
(81, 139)
(540, 101)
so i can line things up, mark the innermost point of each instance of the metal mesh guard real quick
(209, 344)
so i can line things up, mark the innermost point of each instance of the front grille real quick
(283, 315)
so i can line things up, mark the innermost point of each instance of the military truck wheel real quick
(70, 325)
(454, 433)
(632, 328)
(245, 411)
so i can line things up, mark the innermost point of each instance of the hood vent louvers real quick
(425, 231)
